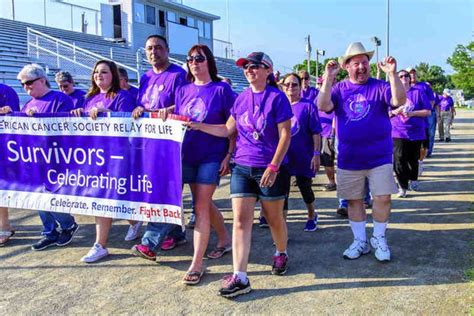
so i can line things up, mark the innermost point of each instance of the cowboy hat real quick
(354, 49)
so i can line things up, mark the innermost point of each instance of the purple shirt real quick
(78, 97)
(326, 123)
(9, 97)
(211, 104)
(269, 108)
(304, 124)
(51, 102)
(310, 94)
(158, 90)
(445, 103)
(133, 93)
(363, 126)
(121, 102)
(411, 128)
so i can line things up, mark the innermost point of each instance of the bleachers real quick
(14, 54)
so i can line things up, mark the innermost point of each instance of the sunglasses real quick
(305, 78)
(291, 85)
(404, 76)
(254, 66)
(29, 82)
(198, 58)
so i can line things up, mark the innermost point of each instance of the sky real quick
(420, 30)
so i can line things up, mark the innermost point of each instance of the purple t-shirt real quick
(310, 94)
(326, 123)
(363, 126)
(133, 92)
(51, 102)
(304, 124)
(426, 89)
(411, 128)
(158, 90)
(78, 97)
(445, 103)
(269, 108)
(211, 104)
(9, 97)
(121, 102)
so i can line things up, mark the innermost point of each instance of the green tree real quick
(463, 64)
(434, 75)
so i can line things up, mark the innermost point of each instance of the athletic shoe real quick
(414, 186)
(192, 221)
(171, 243)
(133, 231)
(420, 168)
(448, 139)
(144, 252)
(280, 264)
(232, 286)
(65, 237)
(96, 253)
(382, 252)
(402, 193)
(262, 222)
(311, 225)
(356, 249)
(330, 187)
(43, 243)
(342, 211)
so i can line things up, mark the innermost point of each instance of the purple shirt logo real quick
(195, 109)
(152, 95)
(247, 127)
(407, 107)
(295, 126)
(356, 107)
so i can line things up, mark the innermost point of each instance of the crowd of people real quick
(274, 130)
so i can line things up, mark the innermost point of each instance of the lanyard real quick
(253, 115)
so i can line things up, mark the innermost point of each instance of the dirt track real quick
(429, 234)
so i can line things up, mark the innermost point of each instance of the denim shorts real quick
(245, 182)
(205, 173)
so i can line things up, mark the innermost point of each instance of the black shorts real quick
(328, 154)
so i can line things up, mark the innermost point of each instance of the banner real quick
(114, 166)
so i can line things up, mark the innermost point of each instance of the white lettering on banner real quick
(129, 210)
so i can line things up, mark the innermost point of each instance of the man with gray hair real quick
(66, 85)
(365, 148)
(124, 85)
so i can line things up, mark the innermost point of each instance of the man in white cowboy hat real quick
(365, 149)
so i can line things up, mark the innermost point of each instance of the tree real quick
(434, 75)
(463, 64)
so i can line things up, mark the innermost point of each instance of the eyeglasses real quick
(404, 76)
(198, 58)
(290, 85)
(305, 78)
(29, 82)
(249, 66)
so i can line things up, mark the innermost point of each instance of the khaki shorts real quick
(351, 183)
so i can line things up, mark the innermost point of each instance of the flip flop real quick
(5, 237)
(219, 252)
(192, 277)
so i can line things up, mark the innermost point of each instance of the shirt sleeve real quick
(424, 101)
(282, 108)
(228, 100)
(386, 93)
(11, 99)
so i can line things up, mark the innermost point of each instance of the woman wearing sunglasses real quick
(44, 100)
(408, 132)
(207, 100)
(105, 95)
(304, 152)
(261, 118)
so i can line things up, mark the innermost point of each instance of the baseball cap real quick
(257, 58)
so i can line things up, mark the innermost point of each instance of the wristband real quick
(317, 153)
(272, 167)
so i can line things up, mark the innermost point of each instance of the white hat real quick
(354, 49)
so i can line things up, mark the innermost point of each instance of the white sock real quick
(379, 229)
(277, 253)
(242, 276)
(358, 229)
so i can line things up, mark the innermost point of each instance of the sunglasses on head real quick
(404, 76)
(198, 58)
(29, 82)
(254, 66)
(291, 85)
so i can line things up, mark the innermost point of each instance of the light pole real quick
(377, 42)
(308, 51)
(319, 52)
(388, 28)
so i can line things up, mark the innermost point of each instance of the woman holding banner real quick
(105, 95)
(261, 118)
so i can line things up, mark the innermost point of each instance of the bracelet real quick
(272, 167)
(317, 153)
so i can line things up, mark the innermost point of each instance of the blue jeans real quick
(50, 222)
(368, 196)
(432, 120)
(156, 233)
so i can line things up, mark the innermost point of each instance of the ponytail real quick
(271, 81)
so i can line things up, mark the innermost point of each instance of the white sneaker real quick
(133, 231)
(402, 193)
(356, 249)
(382, 252)
(420, 168)
(96, 253)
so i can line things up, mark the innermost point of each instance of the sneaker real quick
(232, 286)
(414, 186)
(96, 253)
(356, 249)
(330, 187)
(133, 231)
(262, 222)
(448, 139)
(382, 252)
(402, 193)
(280, 264)
(144, 252)
(65, 237)
(171, 243)
(342, 211)
(311, 225)
(420, 168)
(192, 221)
(43, 243)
